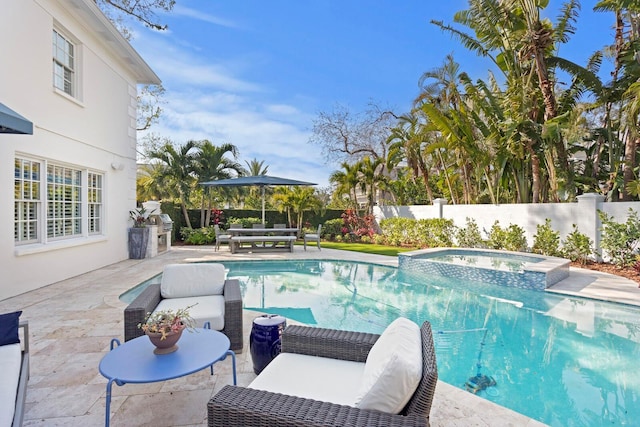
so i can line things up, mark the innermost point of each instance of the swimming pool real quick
(563, 361)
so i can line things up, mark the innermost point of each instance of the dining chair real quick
(309, 237)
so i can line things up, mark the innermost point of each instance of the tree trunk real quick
(629, 165)
(551, 111)
(187, 221)
(425, 176)
(535, 174)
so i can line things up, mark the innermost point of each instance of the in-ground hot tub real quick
(515, 269)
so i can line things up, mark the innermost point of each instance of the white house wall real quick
(96, 132)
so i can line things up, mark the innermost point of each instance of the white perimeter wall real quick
(583, 213)
(94, 133)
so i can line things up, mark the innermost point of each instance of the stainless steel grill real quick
(164, 223)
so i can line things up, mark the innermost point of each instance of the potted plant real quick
(164, 328)
(139, 233)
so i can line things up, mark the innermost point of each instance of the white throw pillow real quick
(393, 369)
(192, 280)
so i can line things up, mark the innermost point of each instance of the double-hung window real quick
(94, 200)
(65, 203)
(63, 64)
(28, 201)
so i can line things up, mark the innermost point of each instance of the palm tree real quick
(150, 183)
(370, 177)
(212, 164)
(347, 181)
(295, 201)
(512, 36)
(178, 171)
(255, 167)
(622, 94)
(406, 143)
(254, 198)
(303, 199)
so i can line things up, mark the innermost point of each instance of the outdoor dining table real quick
(263, 238)
(263, 231)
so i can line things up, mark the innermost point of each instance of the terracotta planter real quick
(167, 345)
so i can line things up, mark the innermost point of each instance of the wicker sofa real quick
(153, 295)
(246, 406)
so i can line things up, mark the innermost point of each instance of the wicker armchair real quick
(148, 299)
(240, 406)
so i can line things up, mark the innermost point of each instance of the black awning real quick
(12, 122)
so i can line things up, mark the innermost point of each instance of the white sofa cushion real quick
(205, 309)
(192, 280)
(10, 361)
(393, 368)
(310, 377)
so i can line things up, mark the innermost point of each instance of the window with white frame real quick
(27, 201)
(64, 204)
(94, 200)
(67, 204)
(63, 64)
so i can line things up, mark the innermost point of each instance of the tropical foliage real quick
(538, 128)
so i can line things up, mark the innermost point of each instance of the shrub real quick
(436, 232)
(358, 226)
(546, 241)
(516, 241)
(620, 240)
(332, 228)
(577, 246)
(511, 239)
(246, 222)
(397, 231)
(198, 236)
(379, 239)
(496, 236)
(217, 217)
(469, 236)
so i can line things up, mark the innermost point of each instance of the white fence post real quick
(439, 203)
(588, 221)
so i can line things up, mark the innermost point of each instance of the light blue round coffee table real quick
(135, 362)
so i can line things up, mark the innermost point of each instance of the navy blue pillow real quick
(9, 328)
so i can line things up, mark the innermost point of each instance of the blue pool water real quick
(563, 361)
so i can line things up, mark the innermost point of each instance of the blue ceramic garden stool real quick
(264, 341)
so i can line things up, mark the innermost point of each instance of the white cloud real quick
(198, 15)
(208, 99)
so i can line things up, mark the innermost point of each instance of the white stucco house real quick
(68, 71)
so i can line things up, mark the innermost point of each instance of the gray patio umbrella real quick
(12, 122)
(255, 180)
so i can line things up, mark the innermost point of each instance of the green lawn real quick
(366, 248)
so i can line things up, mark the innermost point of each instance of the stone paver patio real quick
(72, 322)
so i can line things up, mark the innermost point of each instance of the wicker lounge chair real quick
(149, 299)
(240, 406)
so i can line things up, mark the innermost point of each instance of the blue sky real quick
(256, 74)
